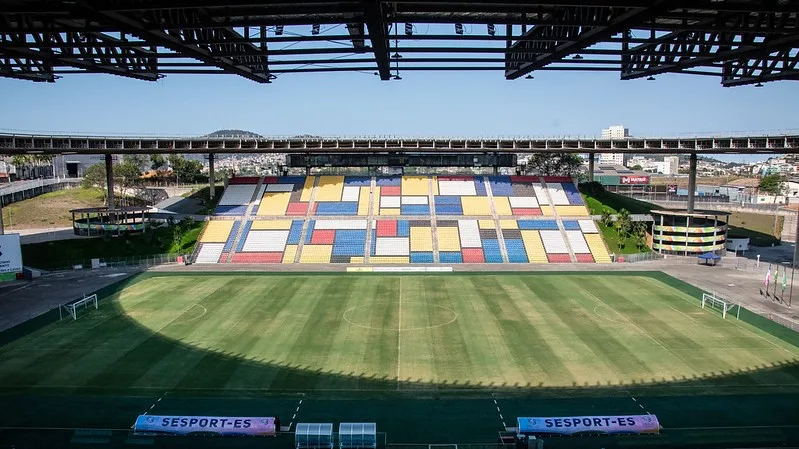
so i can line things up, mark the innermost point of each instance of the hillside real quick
(50, 210)
(179, 238)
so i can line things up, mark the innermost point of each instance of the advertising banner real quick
(634, 179)
(219, 425)
(575, 425)
(10, 254)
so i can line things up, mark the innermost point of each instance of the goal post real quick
(71, 309)
(713, 301)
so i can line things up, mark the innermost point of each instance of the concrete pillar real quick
(211, 179)
(109, 179)
(496, 171)
(591, 167)
(691, 182)
(307, 171)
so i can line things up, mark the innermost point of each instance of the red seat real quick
(257, 258)
(558, 258)
(473, 255)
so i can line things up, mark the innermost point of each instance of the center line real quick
(399, 334)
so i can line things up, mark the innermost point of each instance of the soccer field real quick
(363, 332)
(430, 358)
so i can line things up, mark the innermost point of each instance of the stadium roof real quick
(740, 41)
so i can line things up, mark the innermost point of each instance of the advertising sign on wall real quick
(219, 425)
(574, 425)
(634, 180)
(10, 254)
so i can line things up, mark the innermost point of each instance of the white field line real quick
(399, 333)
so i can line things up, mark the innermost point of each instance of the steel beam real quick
(686, 49)
(600, 23)
(782, 66)
(378, 35)
(182, 43)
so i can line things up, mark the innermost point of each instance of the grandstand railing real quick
(116, 262)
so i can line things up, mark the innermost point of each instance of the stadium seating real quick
(401, 220)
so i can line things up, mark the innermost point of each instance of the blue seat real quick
(491, 251)
(422, 257)
(450, 257)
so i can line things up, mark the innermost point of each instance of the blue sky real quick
(421, 104)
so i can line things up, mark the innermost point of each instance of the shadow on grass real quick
(768, 392)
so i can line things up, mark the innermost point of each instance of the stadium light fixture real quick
(315, 29)
(759, 85)
(529, 77)
(409, 29)
(651, 78)
(458, 28)
(279, 30)
(577, 57)
(492, 30)
(396, 56)
(397, 77)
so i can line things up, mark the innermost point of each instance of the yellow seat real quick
(572, 211)
(415, 186)
(307, 189)
(502, 206)
(448, 239)
(259, 225)
(421, 239)
(217, 231)
(475, 205)
(316, 253)
(597, 247)
(534, 247)
(274, 203)
(330, 188)
(289, 254)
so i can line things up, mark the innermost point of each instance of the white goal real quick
(713, 301)
(72, 309)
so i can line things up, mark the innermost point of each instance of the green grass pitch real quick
(481, 336)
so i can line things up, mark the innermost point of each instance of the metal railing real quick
(115, 262)
(639, 257)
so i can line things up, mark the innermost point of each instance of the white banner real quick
(220, 425)
(10, 254)
(572, 425)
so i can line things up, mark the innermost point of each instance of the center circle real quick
(410, 317)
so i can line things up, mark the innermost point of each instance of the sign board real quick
(219, 425)
(634, 179)
(672, 188)
(10, 254)
(575, 425)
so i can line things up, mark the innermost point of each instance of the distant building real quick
(619, 175)
(611, 158)
(615, 132)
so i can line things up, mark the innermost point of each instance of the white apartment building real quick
(611, 158)
(615, 132)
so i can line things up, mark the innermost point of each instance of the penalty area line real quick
(156, 402)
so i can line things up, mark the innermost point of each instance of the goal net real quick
(726, 307)
(72, 309)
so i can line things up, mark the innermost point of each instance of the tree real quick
(624, 226)
(636, 167)
(185, 170)
(606, 219)
(771, 184)
(639, 231)
(157, 161)
(94, 176)
(553, 164)
(139, 161)
(127, 175)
